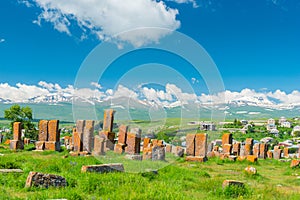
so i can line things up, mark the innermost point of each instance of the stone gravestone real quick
(286, 152)
(88, 136)
(16, 143)
(122, 136)
(53, 142)
(201, 145)
(263, 148)
(108, 120)
(277, 153)
(78, 135)
(158, 153)
(99, 143)
(1, 138)
(236, 149)
(133, 143)
(226, 139)
(248, 146)
(256, 149)
(190, 144)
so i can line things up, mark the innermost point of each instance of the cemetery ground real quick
(174, 180)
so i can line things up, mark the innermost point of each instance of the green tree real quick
(16, 113)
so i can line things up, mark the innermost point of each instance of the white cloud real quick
(96, 85)
(106, 18)
(2, 40)
(195, 5)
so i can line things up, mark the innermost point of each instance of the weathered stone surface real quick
(122, 136)
(248, 149)
(277, 154)
(147, 153)
(249, 141)
(11, 171)
(104, 168)
(99, 144)
(295, 163)
(136, 131)
(227, 148)
(190, 144)
(241, 158)
(26, 141)
(119, 148)
(158, 153)
(250, 170)
(36, 179)
(80, 126)
(286, 152)
(146, 143)
(88, 136)
(133, 143)
(40, 145)
(242, 150)
(227, 183)
(236, 149)
(108, 120)
(263, 149)
(178, 151)
(77, 141)
(168, 148)
(109, 136)
(269, 154)
(16, 144)
(201, 144)
(210, 147)
(52, 146)
(256, 149)
(196, 158)
(53, 131)
(226, 139)
(216, 148)
(43, 130)
(252, 158)
(17, 132)
(134, 157)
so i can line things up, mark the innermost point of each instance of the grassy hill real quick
(175, 180)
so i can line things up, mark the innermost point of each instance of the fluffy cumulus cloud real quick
(195, 5)
(171, 95)
(107, 18)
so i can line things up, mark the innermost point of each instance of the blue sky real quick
(254, 43)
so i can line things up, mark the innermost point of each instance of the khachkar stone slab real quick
(236, 149)
(263, 149)
(286, 152)
(226, 139)
(146, 143)
(53, 131)
(178, 151)
(201, 144)
(277, 153)
(80, 126)
(269, 154)
(133, 143)
(36, 179)
(122, 136)
(227, 148)
(109, 140)
(256, 149)
(88, 136)
(147, 153)
(190, 144)
(108, 120)
(158, 153)
(43, 130)
(104, 168)
(249, 141)
(52, 146)
(227, 183)
(17, 130)
(196, 158)
(168, 148)
(119, 148)
(77, 141)
(99, 143)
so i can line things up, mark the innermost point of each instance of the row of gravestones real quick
(198, 149)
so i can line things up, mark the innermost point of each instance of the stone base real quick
(105, 168)
(52, 146)
(119, 148)
(295, 163)
(16, 144)
(227, 183)
(252, 158)
(241, 158)
(134, 157)
(196, 158)
(40, 145)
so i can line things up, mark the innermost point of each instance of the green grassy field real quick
(175, 180)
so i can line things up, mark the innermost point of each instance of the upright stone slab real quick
(249, 141)
(168, 148)
(190, 144)
(227, 149)
(210, 147)
(270, 154)
(133, 143)
(226, 139)
(88, 136)
(43, 130)
(80, 126)
(16, 144)
(52, 146)
(158, 153)
(286, 152)
(146, 143)
(201, 144)
(108, 120)
(242, 151)
(263, 148)
(53, 131)
(17, 130)
(236, 149)
(123, 129)
(77, 141)
(256, 149)
(277, 153)
(99, 143)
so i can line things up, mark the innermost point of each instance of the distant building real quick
(271, 121)
(271, 124)
(282, 120)
(286, 124)
(244, 122)
(208, 126)
(295, 129)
